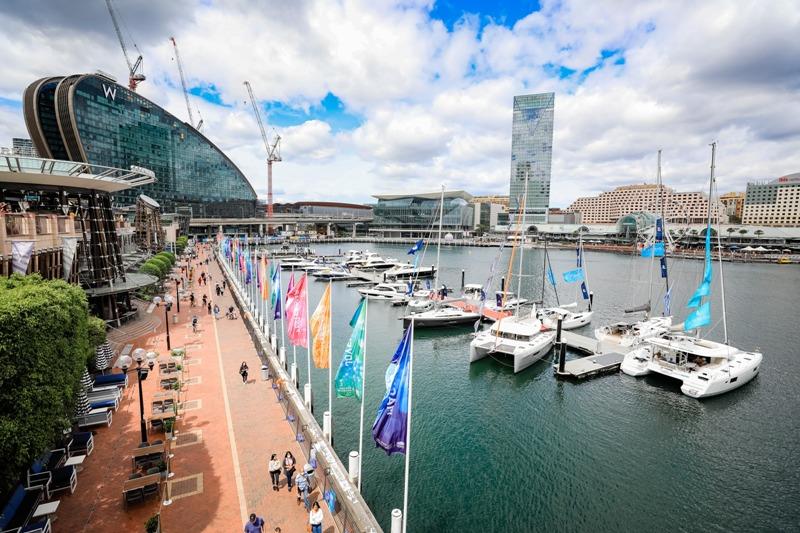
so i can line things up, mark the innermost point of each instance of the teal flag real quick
(701, 316)
(350, 376)
(698, 318)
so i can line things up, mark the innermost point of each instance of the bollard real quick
(307, 396)
(502, 284)
(591, 300)
(462, 278)
(293, 374)
(174, 318)
(282, 356)
(397, 521)
(327, 427)
(352, 467)
(273, 340)
(264, 372)
(562, 349)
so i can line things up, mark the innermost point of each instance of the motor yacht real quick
(296, 263)
(409, 271)
(704, 367)
(376, 263)
(523, 339)
(385, 291)
(331, 274)
(441, 316)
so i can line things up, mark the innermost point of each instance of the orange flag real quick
(321, 330)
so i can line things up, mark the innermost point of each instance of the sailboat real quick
(633, 333)
(523, 337)
(571, 317)
(704, 367)
(440, 314)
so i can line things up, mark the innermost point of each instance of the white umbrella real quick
(761, 249)
(748, 249)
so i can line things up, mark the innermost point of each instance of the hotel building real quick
(776, 203)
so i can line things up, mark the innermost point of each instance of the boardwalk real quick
(226, 431)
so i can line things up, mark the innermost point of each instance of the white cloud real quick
(436, 104)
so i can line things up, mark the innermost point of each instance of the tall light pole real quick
(168, 300)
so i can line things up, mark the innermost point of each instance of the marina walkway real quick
(225, 433)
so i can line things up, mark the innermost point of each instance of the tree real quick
(742, 232)
(151, 269)
(759, 232)
(181, 243)
(168, 256)
(165, 263)
(44, 348)
(730, 232)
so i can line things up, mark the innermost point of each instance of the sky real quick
(380, 96)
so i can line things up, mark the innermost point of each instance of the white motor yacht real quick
(385, 291)
(376, 263)
(332, 274)
(508, 301)
(421, 300)
(522, 338)
(705, 368)
(441, 316)
(570, 317)
(632, 334)
(409, 271)
(297, 263)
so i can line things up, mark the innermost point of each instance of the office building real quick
(734, 205)
(23, 147)
(776, 203)
(531, 156)
(610, 206)
(417, 215)
(91, 119)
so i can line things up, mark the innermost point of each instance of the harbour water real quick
(494, 451)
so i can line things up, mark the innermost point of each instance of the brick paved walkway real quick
(226, 433)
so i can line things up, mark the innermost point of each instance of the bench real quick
(82, 444)
(147, 454)
(110, 403)
(19, 509)
(95, 417)
(119, 379)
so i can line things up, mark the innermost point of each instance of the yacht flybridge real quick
(523, 339)
(705, 368)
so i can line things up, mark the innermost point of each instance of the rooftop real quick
(426, 195)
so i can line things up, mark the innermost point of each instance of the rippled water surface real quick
(494, 451)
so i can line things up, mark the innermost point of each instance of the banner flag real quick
(70, 245)
(296, 325)
(654, 250)
(698, 318)
(321, 330)
(349, 376)
(571, 276)
(21, 252)
(416, 248)
(390, 430)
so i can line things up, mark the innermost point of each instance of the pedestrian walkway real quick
(226, 431)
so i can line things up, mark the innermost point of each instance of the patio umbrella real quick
(81, 403)
(748, 249)
(761, 249)
(102, 356)
(86, 380)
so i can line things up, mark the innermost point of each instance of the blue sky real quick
(499, 12)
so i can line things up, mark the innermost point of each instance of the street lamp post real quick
(168, 299)
(177, 289)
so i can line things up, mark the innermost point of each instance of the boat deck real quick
(591, 345)
(488, 314)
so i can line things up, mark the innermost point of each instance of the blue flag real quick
(416, 248)
(663, 267)
(667, 301)
(698, 318)
(276, 293)
(571, 276)
(654, 250)
(249, 269)
(659, 230)
(550, 277)
(584, 290)
(390, 430)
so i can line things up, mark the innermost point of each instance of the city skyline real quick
(398, 98)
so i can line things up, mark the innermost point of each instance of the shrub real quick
(168, 256)
(44, 347)
(96, 331)
(166, 265)
(181, 243)
(154, 269)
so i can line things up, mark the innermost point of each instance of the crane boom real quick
(183, 80)
(273, 152)
(134, 74)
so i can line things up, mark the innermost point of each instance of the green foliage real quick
(151, 526)
(181, 243)
(154, 268)
(166, 266)
(168, 256)
(44, 347)
(96, 331)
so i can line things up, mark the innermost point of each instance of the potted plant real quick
(176, 385)
(162, 467)
(168, 425)
(153, 524)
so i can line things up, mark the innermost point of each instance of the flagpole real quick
(408, 429)
(330, 355)
(363, 389)
(308, 336)
(283, 314)
(283, 337)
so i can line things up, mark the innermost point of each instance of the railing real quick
(350, 512)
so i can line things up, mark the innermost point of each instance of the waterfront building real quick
(325, 209)
(681, 207)
(776, 203)
(91, 119)
(491, 199)
(416, 215)
(734, 205)
(23, 147)
(531, 156)
(486, 215)
(559, 216)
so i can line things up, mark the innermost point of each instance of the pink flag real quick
(289, 298)
(296, 324)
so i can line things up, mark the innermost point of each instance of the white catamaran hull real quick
(570, 320)
(525, 353)
(444, 316)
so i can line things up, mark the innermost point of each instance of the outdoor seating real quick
(121, 380)
(147, 453)
(82, 444)
(137, 487)
(95, 417)
(19, 510)
(111, 393)
(97, 404)
(52, 480)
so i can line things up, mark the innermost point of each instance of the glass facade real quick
(531, 155)
(112, 126)
(421, 212)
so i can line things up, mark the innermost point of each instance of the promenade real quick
(226, 431)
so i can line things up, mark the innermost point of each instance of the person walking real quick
(302, 489)
(275, 471)
(315, 518)
(209, 307)
(216, 312)
(254, 525)
(205, 300)
(217, 289)
(288, 469)
(191, 299)
(194, 324)
(243, 369)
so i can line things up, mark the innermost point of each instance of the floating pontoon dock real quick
(606, 358)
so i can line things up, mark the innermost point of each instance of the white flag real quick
(69, 244)
(21, 252)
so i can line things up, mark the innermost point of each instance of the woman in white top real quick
(275, 471)
(315, 518)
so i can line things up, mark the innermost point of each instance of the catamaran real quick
(633, 333)
(571, 317)
(704, 367)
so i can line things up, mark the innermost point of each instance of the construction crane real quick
(183, 83)
(273, 152)
(135, 74)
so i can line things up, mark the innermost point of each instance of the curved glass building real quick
(91, 119)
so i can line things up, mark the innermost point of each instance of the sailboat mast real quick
(653, 246)
(711, 189)
(439, 243)
(544, 267)
(521, 249)
(662, 198)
